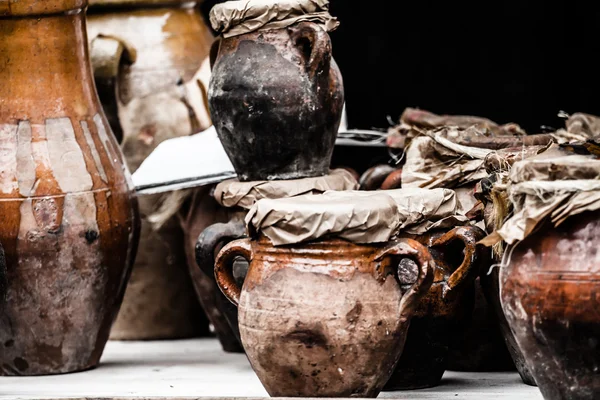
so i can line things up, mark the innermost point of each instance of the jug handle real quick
(214, 52)
(319, 59)
(107, 53)
(210, 238)
(414, 250)
(224, 267)
(475, 256)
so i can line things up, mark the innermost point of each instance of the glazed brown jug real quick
(150, 60)
(549, 292)
(444, 310)
(324, 318)
(276, 99)
(70, 222)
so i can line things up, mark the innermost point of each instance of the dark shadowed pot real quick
(69, 216)
(444, 310)
(276, 99)
(549, 292)
(152, 91)
(325, 318)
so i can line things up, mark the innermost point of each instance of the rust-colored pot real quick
(443, 312)
(153, 90)
(276, 99)
(69, 217)
(549, 292)
(326, 318)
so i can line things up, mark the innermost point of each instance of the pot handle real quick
(210, 238)
(107, 53)
(420, 254)
(475, 256)
(311, 37)
(224, 267)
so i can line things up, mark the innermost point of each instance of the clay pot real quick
(326, 318)
(200, 212)
(491, 289)
(441, 316)
(210, 241)
(549, 296)
(153, 90)
(276, 99)
(70, 224)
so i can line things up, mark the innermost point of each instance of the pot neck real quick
(44, 69)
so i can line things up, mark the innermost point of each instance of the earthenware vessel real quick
(210, 241)
(324, 318)
(276, 98)
(70, 224)
(549, 292)
(150, 61)
(440, 317)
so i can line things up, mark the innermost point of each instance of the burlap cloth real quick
(360, 217)
(234, 18)
(233, 193)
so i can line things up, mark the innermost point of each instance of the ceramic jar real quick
(210, 241)
(70, 223)
(276, 98)
(549, 296)
(444, 310)
(150, 61)
(325, 318)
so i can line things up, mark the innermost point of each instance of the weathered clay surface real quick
(198, 214)
(276, 100)
(324, 319)
(210, 241)
(160, 96)
(550, 297)
(441, 315)
(491, 288)
(69, 221)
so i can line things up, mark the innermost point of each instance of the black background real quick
(510, 61)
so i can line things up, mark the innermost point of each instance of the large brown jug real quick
(69, 217)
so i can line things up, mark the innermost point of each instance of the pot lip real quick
(110, 4)
(30, 8)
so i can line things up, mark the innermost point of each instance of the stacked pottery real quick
(550, 274)
(237, 198)
(70, 224)
(150, 61)
(329, 295)
(276, 99)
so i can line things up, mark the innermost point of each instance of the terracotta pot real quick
(549, 296)
(326, 318)
(442, 314)
(200, 212)
(491, 288)
(276, 99)
(210, 241)
(70, 224)
(152, 91)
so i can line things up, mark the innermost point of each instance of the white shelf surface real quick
(198, 368)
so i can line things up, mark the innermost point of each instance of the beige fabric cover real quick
(239, 17)
(434, 161)
(360, 217)
(553, 185)
(233, 193)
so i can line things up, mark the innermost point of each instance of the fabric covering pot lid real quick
(551, 186)
(233, 193)
(234, 18)
(360, 217)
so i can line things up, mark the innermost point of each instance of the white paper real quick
(184, 162)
